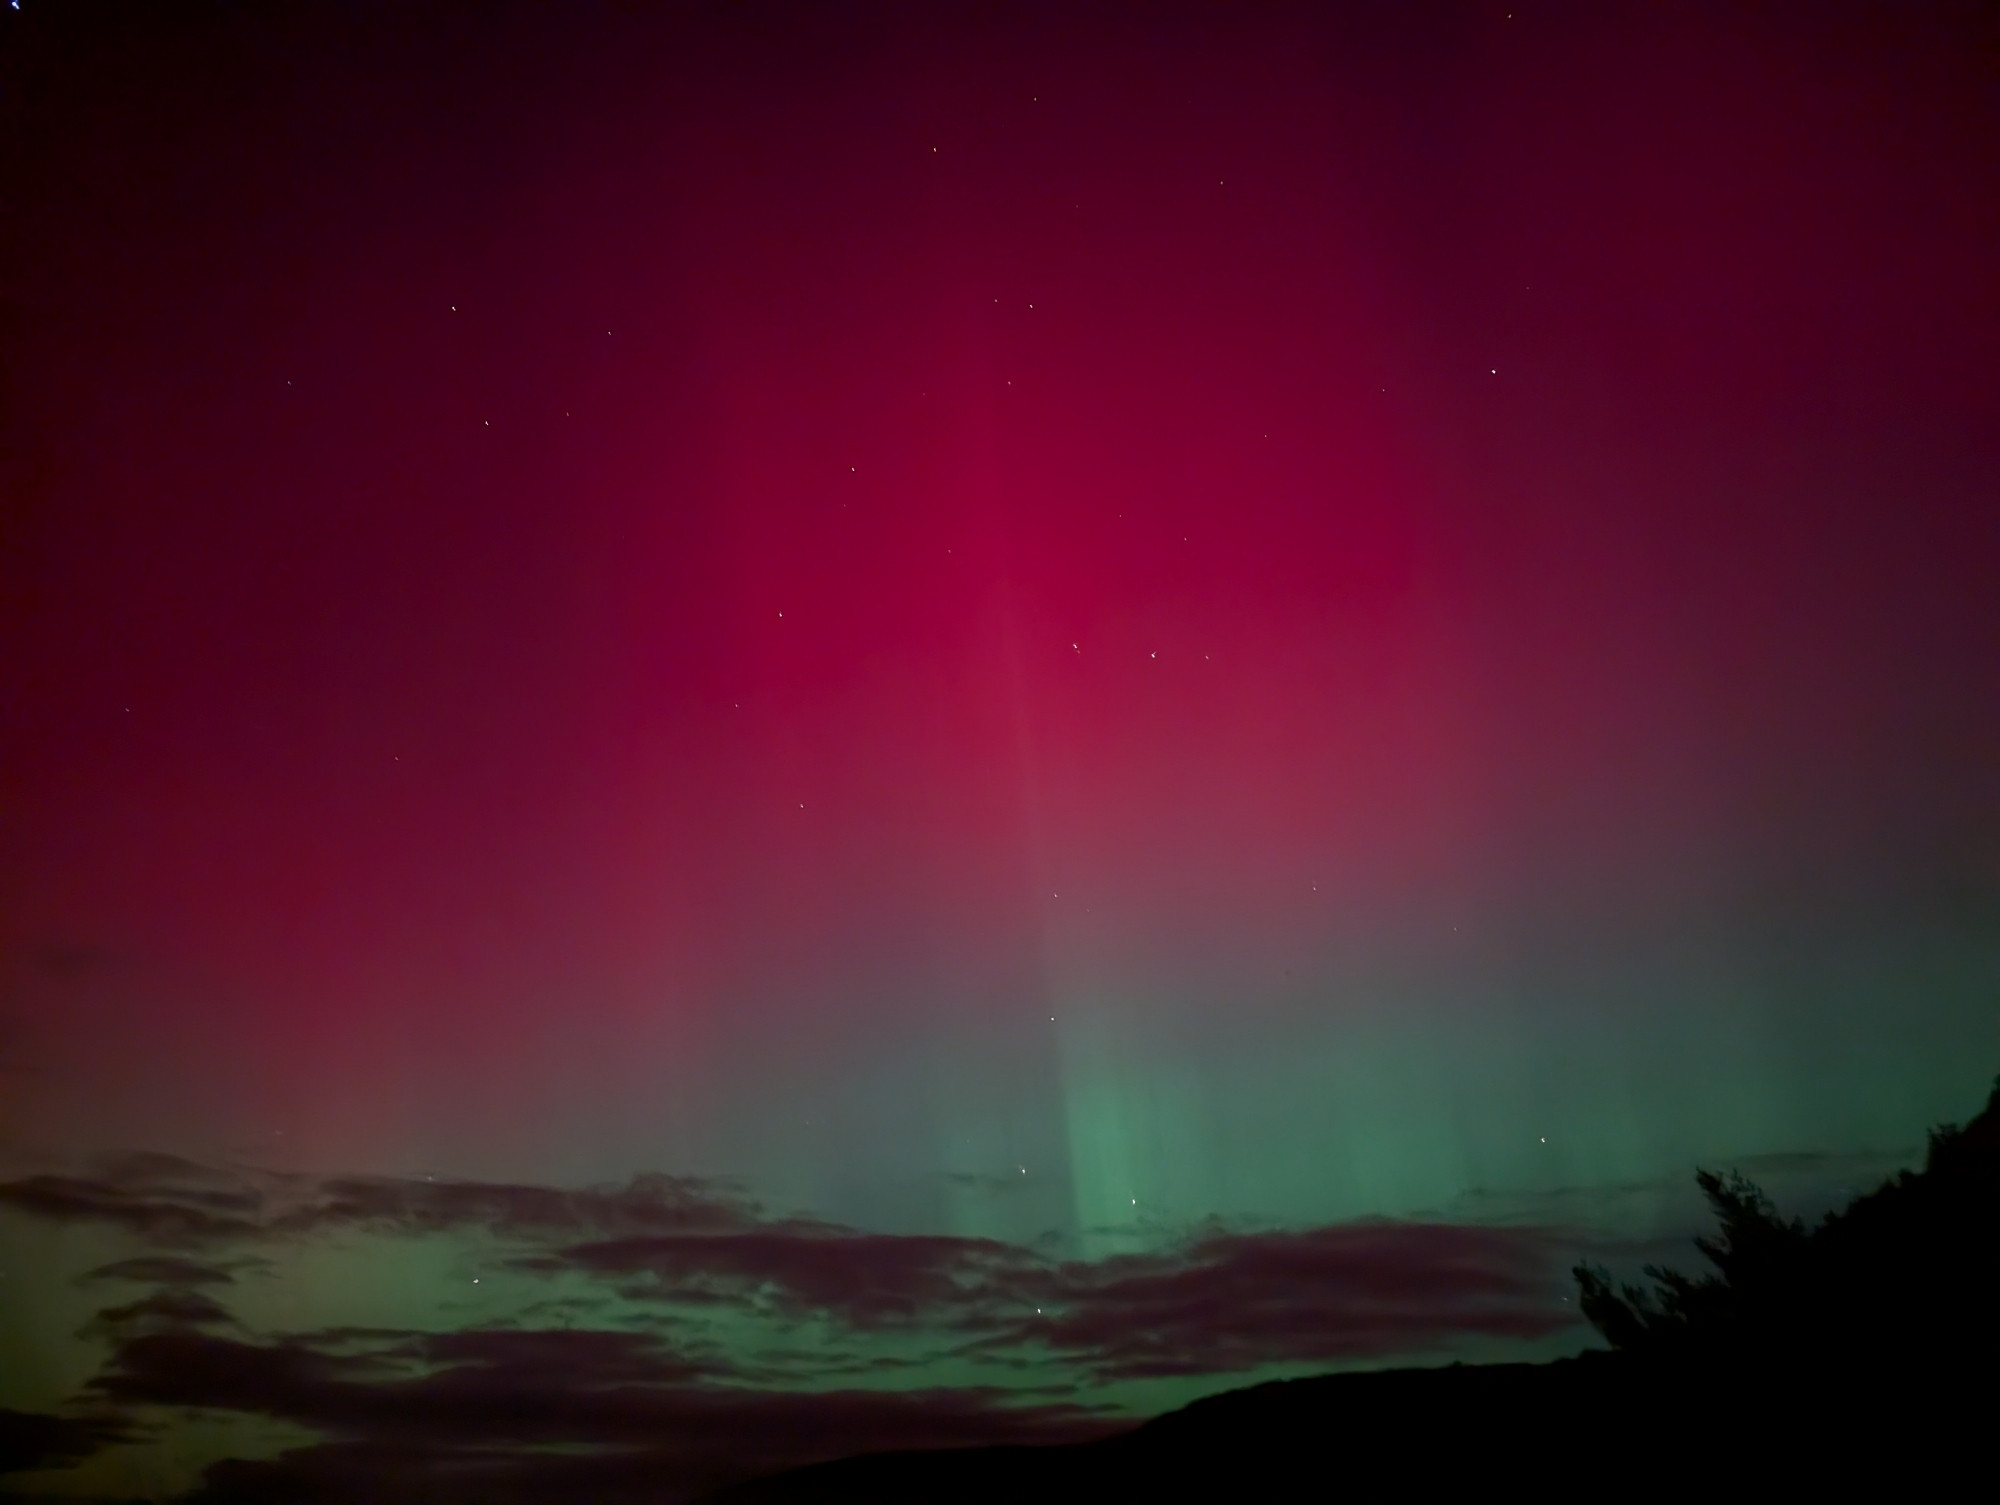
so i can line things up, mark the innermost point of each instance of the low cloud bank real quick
(656, 1399)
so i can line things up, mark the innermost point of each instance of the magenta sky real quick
(1284, 612)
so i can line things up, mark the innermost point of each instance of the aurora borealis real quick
(942, 724)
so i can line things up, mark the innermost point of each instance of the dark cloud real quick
(1223, 1302)
(160, 1270)
(479, 1385)
(646, 1204)
(501, 1414)
(177, 1203)
(647, 1408)
(160, 1198)
(1230, 1301)
(799, 1268)
(166, 1310)
(1219, 1303)
(482, 1414)
(31, 1439)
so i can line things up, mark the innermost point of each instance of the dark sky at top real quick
(1062, 626)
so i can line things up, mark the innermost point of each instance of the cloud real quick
(646, 1204)
(177, 1203)
(31, 1439)
(655, 1395)
(166, 1310)
(496, 1414)
(803, 1268)
(503, 1414)
(161, 1270)
(1220, 1303)
(161, 1198)
(479, 1385)
(1234, 1301)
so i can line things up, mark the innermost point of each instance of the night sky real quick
(945, 723)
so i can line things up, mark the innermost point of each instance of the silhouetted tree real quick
(1758, 1260)
(1904, 1273)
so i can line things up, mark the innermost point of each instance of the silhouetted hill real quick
(1855, 1356)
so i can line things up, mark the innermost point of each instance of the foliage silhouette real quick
(1845, 1360)
(1901, 1275)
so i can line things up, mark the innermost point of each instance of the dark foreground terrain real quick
(1853, 1359)
(1594, 1427)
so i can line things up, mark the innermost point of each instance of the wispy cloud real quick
(806, 1268)
(481, 1414)
(166, 1310)
(1230, 1302)
(1220, 1303)
(31, 1439)
(177, 1203)
(159, 1270)
(159, 1198)
(667, 1334)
